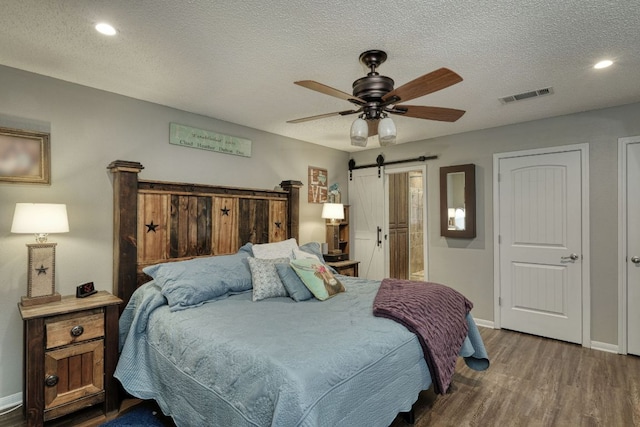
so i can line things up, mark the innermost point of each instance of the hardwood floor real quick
(532, 381)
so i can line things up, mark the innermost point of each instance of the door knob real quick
(571, 257)
(635, 259)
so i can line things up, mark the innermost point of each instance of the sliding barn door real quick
(366, 200)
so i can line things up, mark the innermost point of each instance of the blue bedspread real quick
(276, 362)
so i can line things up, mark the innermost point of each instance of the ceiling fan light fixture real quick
(386, 132)
(359, 133)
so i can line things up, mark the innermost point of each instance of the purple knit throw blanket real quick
(436, 314)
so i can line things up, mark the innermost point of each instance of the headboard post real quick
(125, 226)
(293, 215)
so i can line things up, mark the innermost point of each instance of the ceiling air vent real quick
(526, 95)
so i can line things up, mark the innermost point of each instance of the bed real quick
(221, 358)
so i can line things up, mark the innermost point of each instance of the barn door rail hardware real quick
(380, 162)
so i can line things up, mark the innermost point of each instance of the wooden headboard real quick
(157, 221)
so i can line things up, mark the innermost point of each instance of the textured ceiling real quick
(237, 60)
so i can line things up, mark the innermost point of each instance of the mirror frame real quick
(469, 201)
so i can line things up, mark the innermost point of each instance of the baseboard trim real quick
(603, 346)
(10, 401)
(595, 345)
(485, 323)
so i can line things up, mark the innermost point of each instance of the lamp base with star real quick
(41, 276)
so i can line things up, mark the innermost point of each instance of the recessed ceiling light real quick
(106, 29)
(603, 64)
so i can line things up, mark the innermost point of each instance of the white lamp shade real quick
(386, 132)
(37, 218)
(333, 211)
(359, 133)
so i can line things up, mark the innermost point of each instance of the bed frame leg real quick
(409, 417)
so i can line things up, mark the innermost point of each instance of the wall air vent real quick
(526, 95)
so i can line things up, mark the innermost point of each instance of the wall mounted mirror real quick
(458, 201)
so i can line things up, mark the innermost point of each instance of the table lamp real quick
(40, 219)
(334, 212)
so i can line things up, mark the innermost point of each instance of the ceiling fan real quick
(375, 98)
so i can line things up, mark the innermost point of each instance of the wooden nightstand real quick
(70, 354)
(347, 268)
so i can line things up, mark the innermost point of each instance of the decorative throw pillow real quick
(292, 283)
(266, 282)
(317, 278)
(275, 250)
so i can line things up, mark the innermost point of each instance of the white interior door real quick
(632, 253)
(367, 207)
(540, 244)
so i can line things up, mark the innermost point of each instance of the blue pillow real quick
(313, 248)
(191, 283)
(292, 283)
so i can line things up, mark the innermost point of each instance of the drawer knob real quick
(76, 331)
(51, 380)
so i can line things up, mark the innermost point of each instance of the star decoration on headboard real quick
(151, 227)
(278, 224)
(42, 269)
(225, 211)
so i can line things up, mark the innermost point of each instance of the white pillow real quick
(300, 254)
(282, 249)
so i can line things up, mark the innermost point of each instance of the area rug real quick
(144, 414)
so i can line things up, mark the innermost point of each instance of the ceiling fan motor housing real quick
(372, 87)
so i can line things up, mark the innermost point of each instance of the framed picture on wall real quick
(24, 156)
(317, 185)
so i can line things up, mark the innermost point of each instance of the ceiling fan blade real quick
(429, 113)
(373, 127)
(322, 116)
(327, 90)
(424, 85)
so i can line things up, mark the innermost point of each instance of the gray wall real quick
(90, 128)
(467, 264)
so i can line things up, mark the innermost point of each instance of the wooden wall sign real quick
(317, 185)
(187, 136)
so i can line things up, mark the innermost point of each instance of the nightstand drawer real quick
(336, 257)
(76, 327)
(348, 271)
